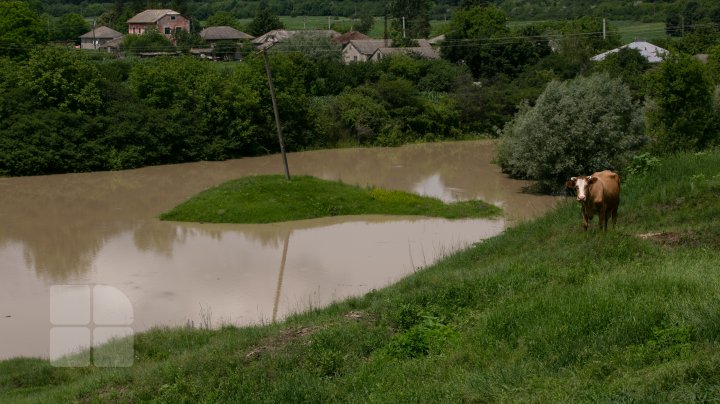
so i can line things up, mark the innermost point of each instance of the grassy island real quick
(542, 313)
(271, 198)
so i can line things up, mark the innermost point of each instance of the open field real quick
(543, 313)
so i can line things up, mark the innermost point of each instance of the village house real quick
(98, 37)
(213, 35)
(165, 21)
(376, 49)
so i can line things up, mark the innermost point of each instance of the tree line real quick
(65, 110)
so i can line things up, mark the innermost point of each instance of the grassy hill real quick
(543, 313)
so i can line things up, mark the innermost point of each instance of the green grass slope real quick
(543, 313)
(271, 198)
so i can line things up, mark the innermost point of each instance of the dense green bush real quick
(576, 127)
(681, 114)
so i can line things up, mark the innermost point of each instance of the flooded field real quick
(102, 229)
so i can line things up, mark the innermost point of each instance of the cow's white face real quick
(582, 186)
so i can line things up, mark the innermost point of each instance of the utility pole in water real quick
(264, 49)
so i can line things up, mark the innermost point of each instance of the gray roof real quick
(151, 16)
(279, 35)
(368, 46)
(102, 33)
(423, 51)
(223, 33)
(653, 53)
(113, 43)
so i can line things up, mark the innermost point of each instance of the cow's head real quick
(581, 185)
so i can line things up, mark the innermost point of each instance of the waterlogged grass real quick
(543, 313)
(271, 198)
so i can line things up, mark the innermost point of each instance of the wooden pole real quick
(277, 115)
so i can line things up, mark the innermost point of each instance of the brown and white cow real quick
(598, 193)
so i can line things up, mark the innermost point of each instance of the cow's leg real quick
(586, 220)
(614, 216)
(603, 218)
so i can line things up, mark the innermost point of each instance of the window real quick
(172, 18)
(168, 31)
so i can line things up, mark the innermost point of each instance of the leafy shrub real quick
(579, 126)
(682, 117)
(641, 164)
(424, 337)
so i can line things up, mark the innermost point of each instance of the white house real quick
(653, 54)
(361, 50)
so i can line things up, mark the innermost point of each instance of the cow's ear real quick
(570, 183)
(592, 180)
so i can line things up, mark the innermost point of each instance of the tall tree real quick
(416, 14)
(264, 21)
(20, 29)
(479, 37)
(68, 27)
(682, 117)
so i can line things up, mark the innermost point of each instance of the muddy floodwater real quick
(102, 229)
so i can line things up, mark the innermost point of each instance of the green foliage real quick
(576, 127)
(641, 164)
(713, 65)
(20, 29)
(417, 18)
(264, 21)
(366, 22)
(63, 78)
(479, 38)
(223, 18)
(700, 40)
(149, 41)
(357, 116)
(681, 116)
(628, 65)
(265, 199)
(67, 27)
(423, 333)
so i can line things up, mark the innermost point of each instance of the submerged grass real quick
(271, 198)
(543, 313)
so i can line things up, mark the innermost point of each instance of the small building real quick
(361, 50)
(376, 49)
(98, 37)
(113, 45)
(653, 53)
(213, 35)
(165, 21)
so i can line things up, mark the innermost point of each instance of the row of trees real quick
(528, 10)
(65, 110)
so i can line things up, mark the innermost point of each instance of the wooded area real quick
(66, 110)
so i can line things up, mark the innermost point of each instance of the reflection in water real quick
(101, 228)
(280, 276)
